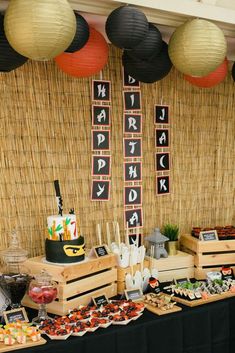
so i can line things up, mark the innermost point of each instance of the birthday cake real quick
(63, 245)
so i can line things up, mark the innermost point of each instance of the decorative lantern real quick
(81, 36)
(197, 47)
(151, 45)
(9, 58)
(148, 71)
(87, 61)
(40, 29)
(126, 27)
(213, 79)
(158, 241)
(233, 72)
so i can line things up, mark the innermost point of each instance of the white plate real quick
(80, 334)
(136, 317)
(125, 322)
(92, 329)
(106, 325)
(62, 337)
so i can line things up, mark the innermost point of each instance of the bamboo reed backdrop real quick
(45, 134)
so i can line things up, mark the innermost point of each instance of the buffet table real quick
(206, 329)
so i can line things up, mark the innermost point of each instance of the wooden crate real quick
(209, 255)
(77, 283)
(172, 267)
(121, 275)
(175, 267)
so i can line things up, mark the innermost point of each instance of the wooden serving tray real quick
(158, 311)
(15, 346)
(197, 302)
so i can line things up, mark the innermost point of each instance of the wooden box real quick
(175, 267)
(121, 275)
(209, 255)
(77, 283)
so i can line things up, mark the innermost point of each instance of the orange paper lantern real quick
(212, 79)
(87, 61)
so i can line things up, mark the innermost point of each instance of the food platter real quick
(210, 299)
(160, 312)
(16, 346)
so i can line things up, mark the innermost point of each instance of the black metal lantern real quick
(150, 46)
(148, 71)
(126, 27)
(233, 71)
(81, 35)
(9, 58)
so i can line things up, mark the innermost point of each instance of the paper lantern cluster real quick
(197, 47)
(87, 61)
(47, 29)
(145, 56)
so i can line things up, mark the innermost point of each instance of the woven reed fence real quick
(45, 134)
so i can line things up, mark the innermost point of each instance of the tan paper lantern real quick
(197, 47)
(40, 29)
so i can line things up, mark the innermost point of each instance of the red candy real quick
(43, 295)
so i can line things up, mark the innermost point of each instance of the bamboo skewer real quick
(99, 234)
(108, 235)
(137, 235)
(127, 236)
(118, 234)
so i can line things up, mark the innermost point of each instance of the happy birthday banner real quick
(133, 153)
(101, 141)
(162, 144)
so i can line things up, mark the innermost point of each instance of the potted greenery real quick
(171, 231)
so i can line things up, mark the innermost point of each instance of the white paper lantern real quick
(40, 29)
(197, 47)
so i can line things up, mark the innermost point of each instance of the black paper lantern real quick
(9, 58)
(148, 71)
(150, 46)
(233, 71)
(81, 35)
(126, 27)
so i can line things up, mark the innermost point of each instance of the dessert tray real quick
(19, 335)
(85, 319)
(16, 346)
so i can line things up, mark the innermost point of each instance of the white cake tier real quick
(62, 227)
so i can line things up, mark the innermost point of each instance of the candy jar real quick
(13, 281)
(42, 290)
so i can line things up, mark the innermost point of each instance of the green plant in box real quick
(171, 231)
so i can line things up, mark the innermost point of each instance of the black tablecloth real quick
(209, 328)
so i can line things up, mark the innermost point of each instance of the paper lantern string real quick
(58, 197)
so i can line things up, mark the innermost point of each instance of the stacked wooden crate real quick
(175, 267)
(77, 283)
(209, 255)
(170, 268)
